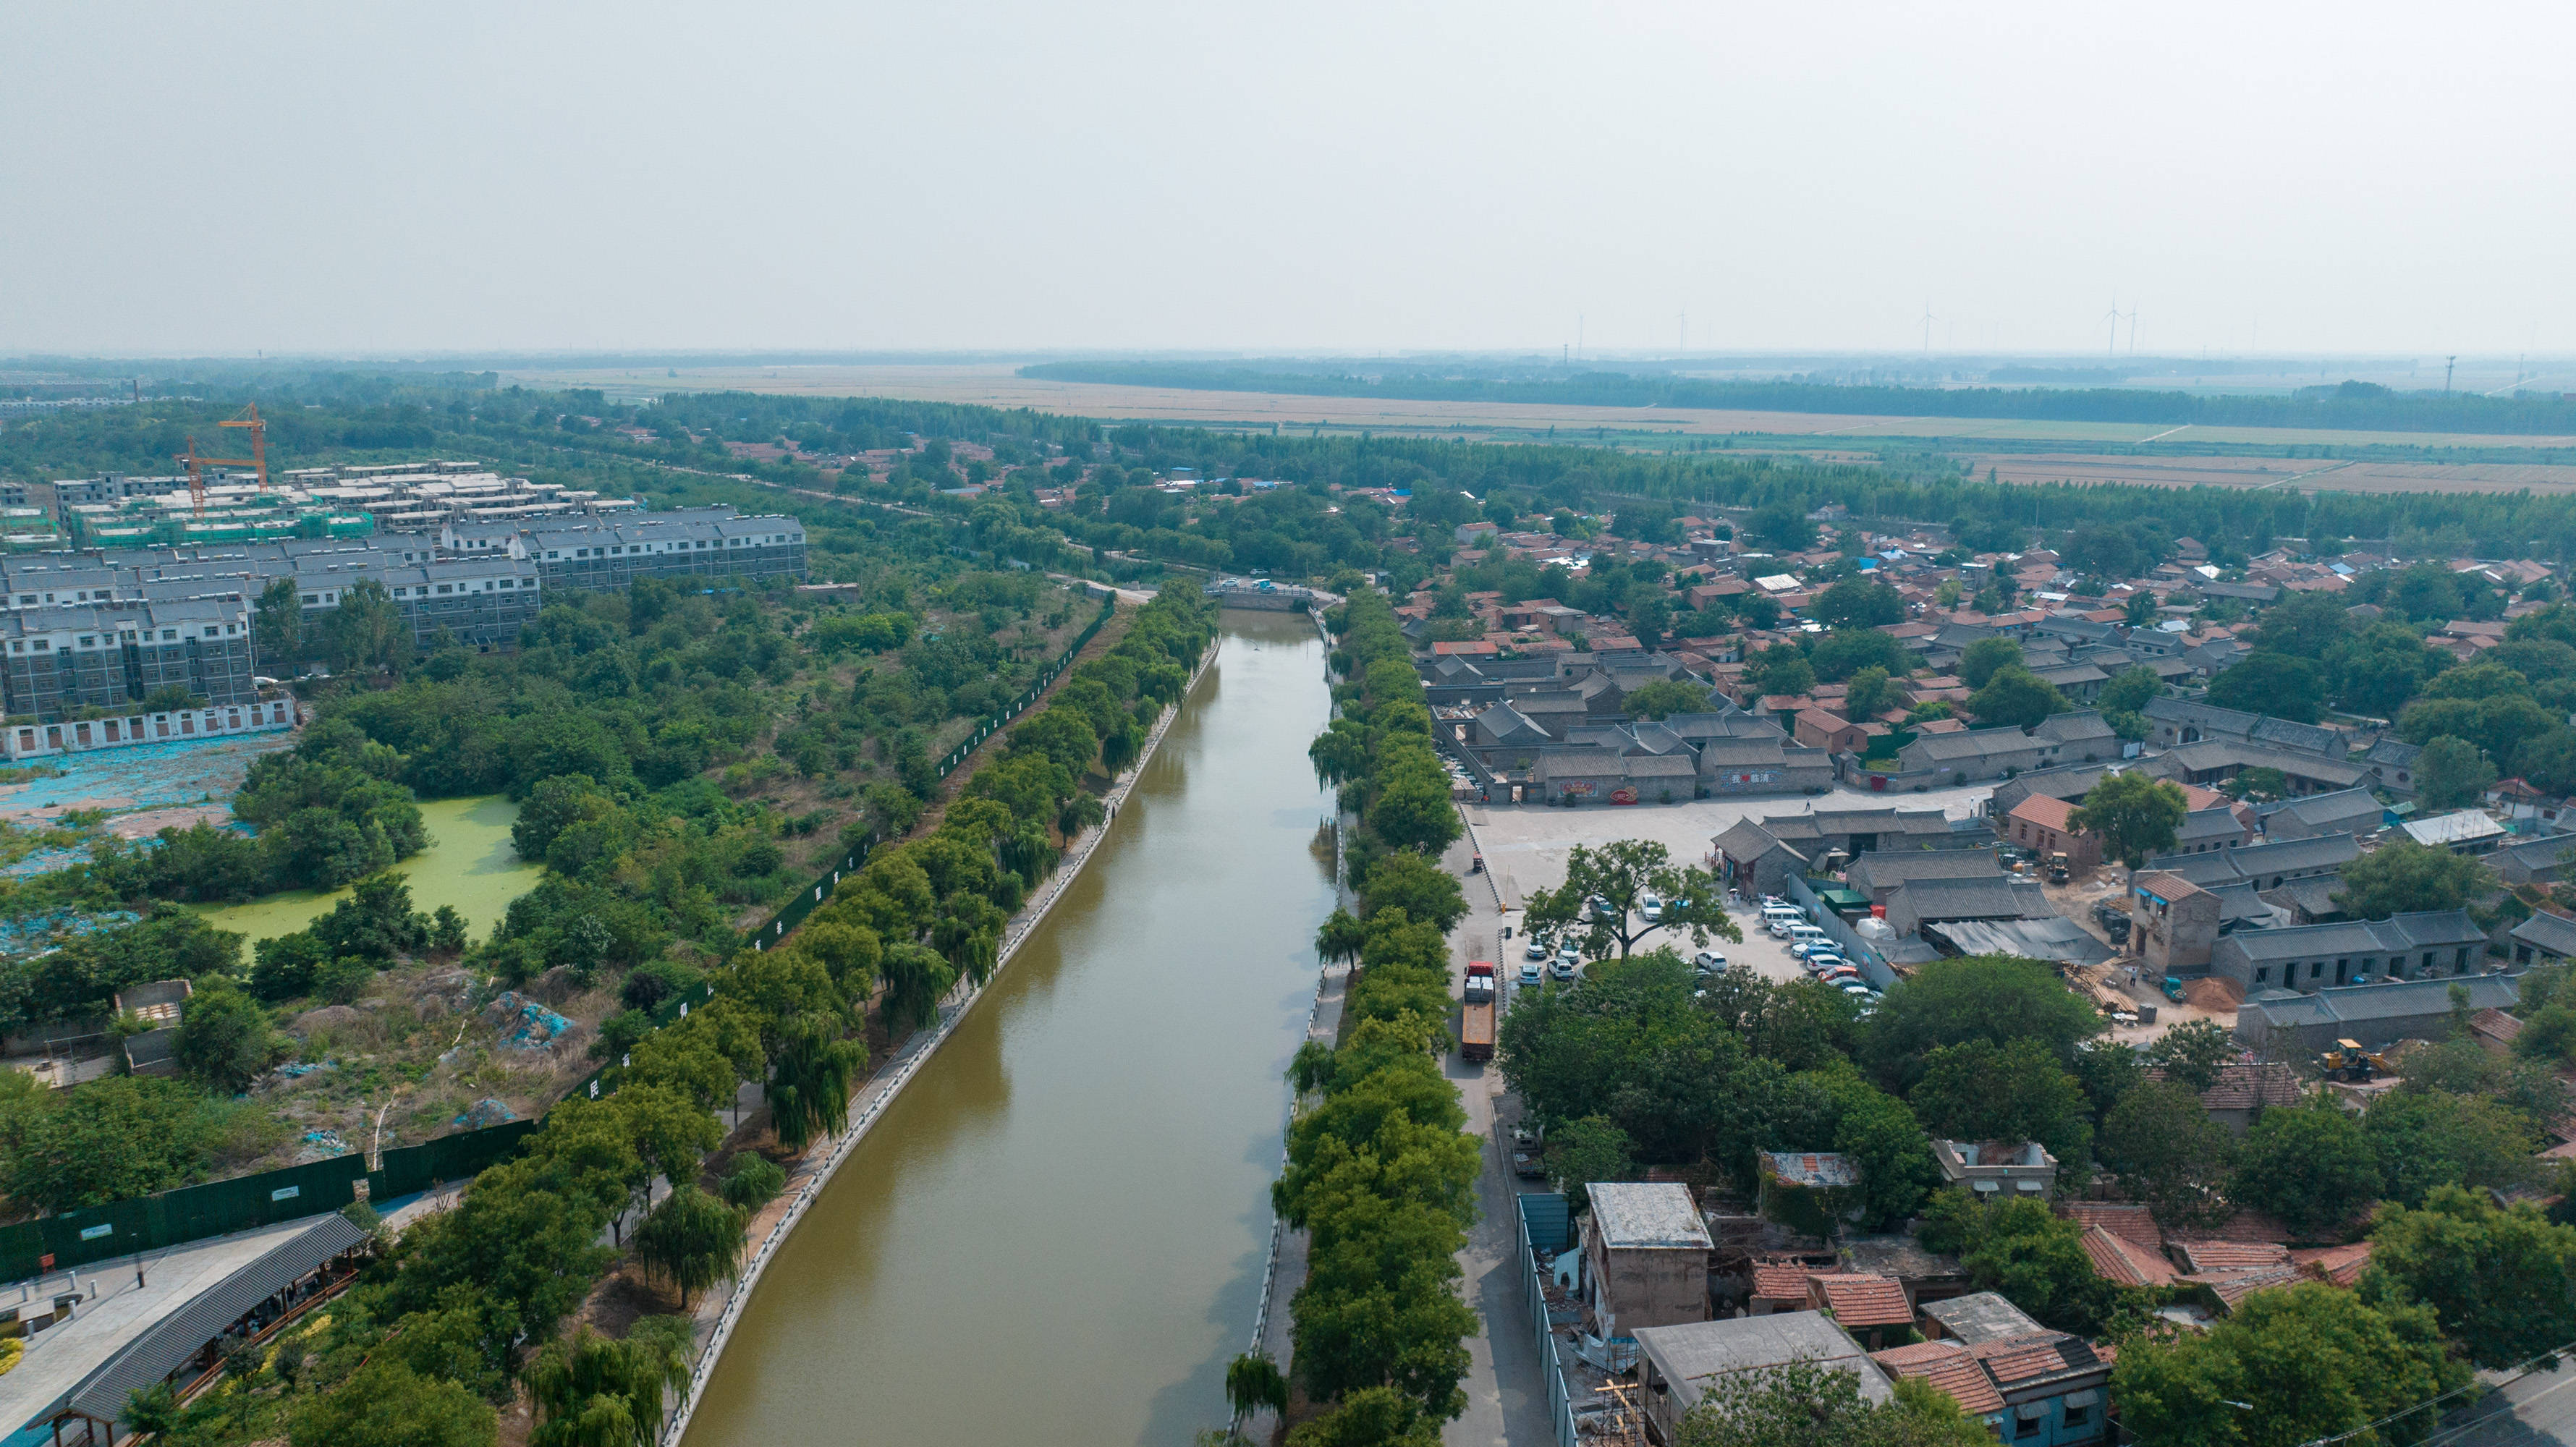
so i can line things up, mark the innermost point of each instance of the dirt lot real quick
(1526, 845)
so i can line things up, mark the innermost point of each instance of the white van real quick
(1798, 934)
(1778, 917)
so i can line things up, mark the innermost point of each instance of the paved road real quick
(2540, 1408)
(1506, 1400)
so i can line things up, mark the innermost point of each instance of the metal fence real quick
(1560, 1408)
(218, 1208)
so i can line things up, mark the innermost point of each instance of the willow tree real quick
(692, 1241)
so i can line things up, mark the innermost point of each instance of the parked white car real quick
(1651, 905)
(1708, 962)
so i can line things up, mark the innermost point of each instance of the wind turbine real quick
(2111, 347)
(1928, 320)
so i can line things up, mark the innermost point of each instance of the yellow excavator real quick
(2349, 1062)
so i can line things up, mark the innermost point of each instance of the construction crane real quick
(248, 421)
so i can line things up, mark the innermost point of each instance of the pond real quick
(469, 863)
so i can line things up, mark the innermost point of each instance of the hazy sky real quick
(214, 178)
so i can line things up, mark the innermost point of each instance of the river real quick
(469, 863)
(1057, 1232)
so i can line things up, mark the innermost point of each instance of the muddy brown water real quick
(1057, 1233)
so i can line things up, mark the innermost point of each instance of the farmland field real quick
(2308, 475)
(995, 384)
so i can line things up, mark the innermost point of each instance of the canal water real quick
(1057, 1233)
(469, 863)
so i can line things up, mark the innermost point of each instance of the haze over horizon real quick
(1007, 176)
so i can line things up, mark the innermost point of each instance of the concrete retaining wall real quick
(951, 1013)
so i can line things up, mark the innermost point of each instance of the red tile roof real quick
(2232, 1287)
(2340, 1265)
(2120, 1218)
(2496, 1025)
(2116, 1258)
(2244, 1086)
(1857, 1300)
(1949, 1366)
(2049, 813)
(2207, 1256)
(2019, 1358)
(1780, 1283)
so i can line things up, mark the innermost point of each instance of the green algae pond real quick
(469, 863)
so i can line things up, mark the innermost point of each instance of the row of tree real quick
(1380, 1173)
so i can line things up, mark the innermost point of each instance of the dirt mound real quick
(2215, 993)
(329, 1017)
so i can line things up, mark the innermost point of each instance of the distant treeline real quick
(2357, 406)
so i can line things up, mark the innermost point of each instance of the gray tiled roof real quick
(2324, 853)
(2555, 933)
(2399, 933)
(2396, 999)
(1886, 868)
(2000, 898)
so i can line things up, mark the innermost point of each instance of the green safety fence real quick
(217, 1208)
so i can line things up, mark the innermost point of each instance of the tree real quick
(2030, 1255)
(1371, 1417)
(1580, 1152)
(1254, 1383)
(1995, 998)
(367, 631)
(2170, 1153)
(2304, 625)
(750, 1181)
(1979, 1091)
(1880, 1134)
(1845, 652)
(2277, 684)
(385, 1404)
(2451, 773)
(1858, 602)
(2297, 1364)
(110, 1140)
(1419, 887)
(277, 628)
(1620, 874)
(2410, 878)
(2134, 816)
(812, 1070)
(1415, 812)
(1984, 658)
(2140, 610)
(225, 1041)
(1869, 694)
(1806, 1403)
(1782, 669)
(915, 977)
(2375, 671)
(1782, 525)
(2501, 1280)
(691, 1241)
(1663, 698)
(2192, 1053)
(2016, 696)
(592, 1391)
(2311, 1166)
(2430, 1138)
(2129, 689)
